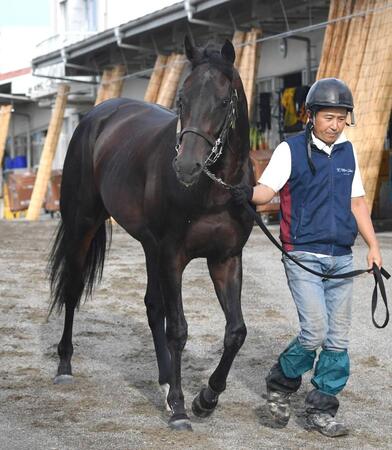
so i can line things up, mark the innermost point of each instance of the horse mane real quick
(211, 54)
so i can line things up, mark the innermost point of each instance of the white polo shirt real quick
(278, 171)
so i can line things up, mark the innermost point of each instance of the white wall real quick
(135, 88)
(272, 62)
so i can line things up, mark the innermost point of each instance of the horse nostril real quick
(197, 168)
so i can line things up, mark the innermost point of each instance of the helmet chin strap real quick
(309, 141)
(352, 117)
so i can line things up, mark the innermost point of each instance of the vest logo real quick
(344, 171)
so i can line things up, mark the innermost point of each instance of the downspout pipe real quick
(118, 35)
(191, 9)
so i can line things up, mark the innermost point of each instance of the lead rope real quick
(377, 273)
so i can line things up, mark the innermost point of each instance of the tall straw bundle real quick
(365, 64)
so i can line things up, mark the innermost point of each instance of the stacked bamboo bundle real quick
(5, 117)
(247, 66)
(48, 152)
(238, 40)
(154, 84)
(170, 78)
(365, 64)
(111, 84)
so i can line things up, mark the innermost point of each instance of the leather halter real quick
(217, 144)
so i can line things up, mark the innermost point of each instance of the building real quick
(85, 43)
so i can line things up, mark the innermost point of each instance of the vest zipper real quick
(332, 187)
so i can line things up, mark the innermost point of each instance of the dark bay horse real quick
(125, 161)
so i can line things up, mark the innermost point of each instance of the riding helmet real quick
(329, 92)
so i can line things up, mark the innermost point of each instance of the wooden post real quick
(154, 84)
(48, 152)
(5, 117)
(171, 78)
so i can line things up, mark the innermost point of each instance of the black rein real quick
(378, 273)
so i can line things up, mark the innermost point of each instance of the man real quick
(322, 208)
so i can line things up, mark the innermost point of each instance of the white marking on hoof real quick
(165, 390)
(63, 379)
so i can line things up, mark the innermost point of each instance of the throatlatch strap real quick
(377, 273)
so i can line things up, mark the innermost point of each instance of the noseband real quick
(217, 144)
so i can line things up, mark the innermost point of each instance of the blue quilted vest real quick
(316, 209)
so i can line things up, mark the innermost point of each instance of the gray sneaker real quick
(278, 404)
(326, 424)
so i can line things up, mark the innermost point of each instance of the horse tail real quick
(68, 279)
(77, 256)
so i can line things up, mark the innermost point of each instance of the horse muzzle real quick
(187, 174)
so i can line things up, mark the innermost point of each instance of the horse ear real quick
(189, 49)
(228, 51)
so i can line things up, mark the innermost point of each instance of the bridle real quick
(219, 143)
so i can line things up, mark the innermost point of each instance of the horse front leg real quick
(171, 267)
(227, 279)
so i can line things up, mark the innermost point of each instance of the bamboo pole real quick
(154, 84)
(5, 118)
(171, 78)
(48, 152)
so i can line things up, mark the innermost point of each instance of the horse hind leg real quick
(227, 279)
(76, 263)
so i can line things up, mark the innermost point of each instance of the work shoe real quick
(278, 404)
(326, 425)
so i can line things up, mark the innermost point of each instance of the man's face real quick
(329, 124)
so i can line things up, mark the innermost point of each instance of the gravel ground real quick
(115, 402)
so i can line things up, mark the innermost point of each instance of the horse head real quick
(207, 106)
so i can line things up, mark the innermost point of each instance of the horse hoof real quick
(63, 379)
(180, 425)
(199, 409)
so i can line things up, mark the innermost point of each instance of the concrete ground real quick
(115, 402)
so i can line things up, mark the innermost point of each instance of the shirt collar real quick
(322, 145)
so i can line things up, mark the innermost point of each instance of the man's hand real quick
(241, 193)
(374, 256)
